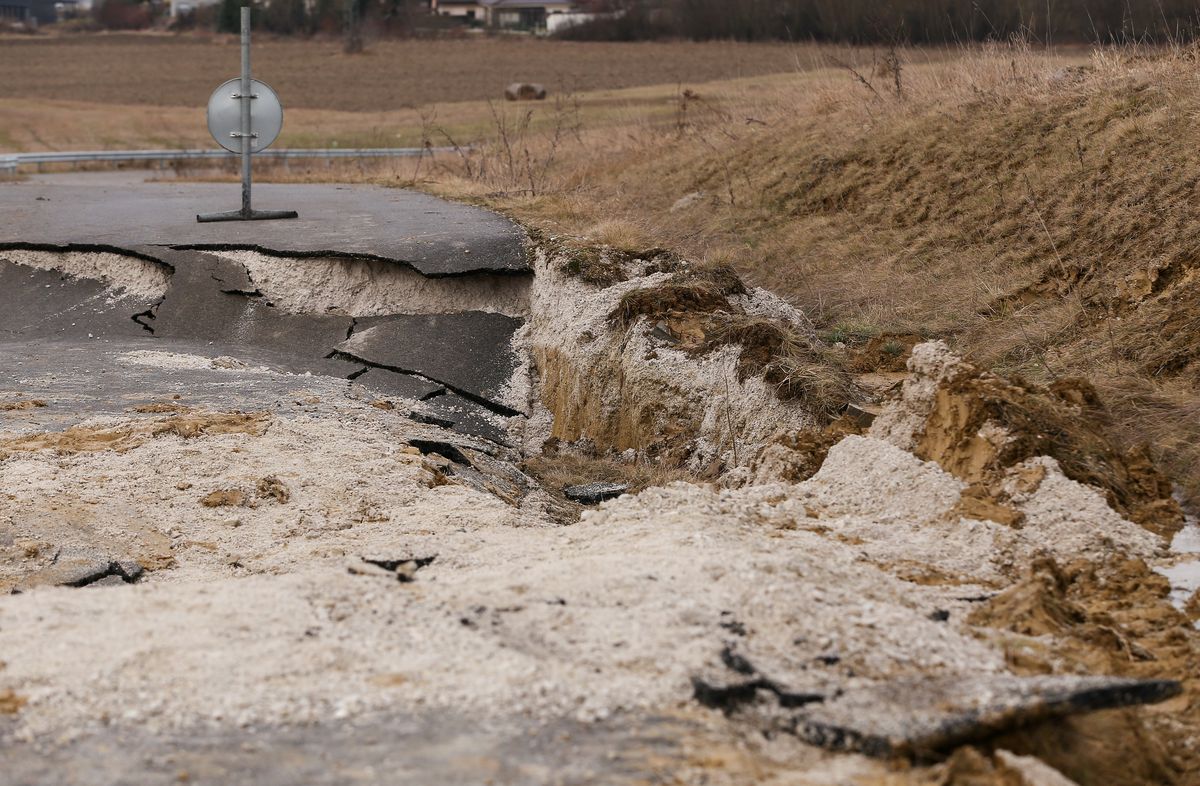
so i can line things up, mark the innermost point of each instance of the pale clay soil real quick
(269, 615)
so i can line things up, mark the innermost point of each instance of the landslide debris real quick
(795, 456)
(977, 425)
(1109, 616)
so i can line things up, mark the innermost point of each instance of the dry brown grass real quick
(1035, 210)
(800, 369)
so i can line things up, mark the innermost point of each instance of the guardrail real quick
(10, 162)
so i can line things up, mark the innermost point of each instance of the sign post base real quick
(241, 215)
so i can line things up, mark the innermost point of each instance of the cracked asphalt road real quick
(211, 303)
(434, 237)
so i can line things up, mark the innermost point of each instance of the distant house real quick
(471, 11)
(15, 10)
(504, 14)
(31, 12)
(525, 14)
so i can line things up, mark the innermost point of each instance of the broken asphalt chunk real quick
(923, 715)
(443, 449)
(86, 571)
(729, 694)
(403, 569)
(466, 417)
(595, 493)
(391, 383)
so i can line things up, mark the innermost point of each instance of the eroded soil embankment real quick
(337, 557)
(653, 391)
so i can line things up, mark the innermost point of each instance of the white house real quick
(525, 14)
(466, 10)
(508, 14)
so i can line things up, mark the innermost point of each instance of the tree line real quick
(846, 21)
(895, 21)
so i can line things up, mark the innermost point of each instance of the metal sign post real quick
(230, 117)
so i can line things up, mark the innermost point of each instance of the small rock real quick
(595, 493)
(369, 569)
(108, 581)
(234, 498)
(129, 570)
(863, 415)
(686, 201)
(662, 332)
(272, 486)
(81, 572)
(403, 569)
(407, 571)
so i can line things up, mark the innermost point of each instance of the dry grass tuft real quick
(799, 369)
(594, 266)
(692, 291)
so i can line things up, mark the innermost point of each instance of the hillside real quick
(1034, 211)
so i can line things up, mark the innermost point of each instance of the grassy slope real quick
(1041, 219)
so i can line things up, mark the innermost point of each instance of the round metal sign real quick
(225, 115)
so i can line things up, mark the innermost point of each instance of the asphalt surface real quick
(435, 237)
(459, 362)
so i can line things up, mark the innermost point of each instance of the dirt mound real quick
(694, 310)
(696, 291)
(635, 368)
(977, 424)
(795, 456)
(1110, 617)
(885, 352)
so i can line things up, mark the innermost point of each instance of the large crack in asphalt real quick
(215, 301)
(86, 248)
(349, 255)
(492, 406)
